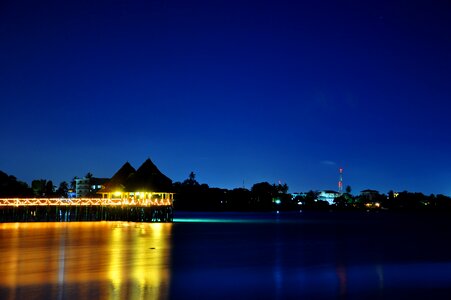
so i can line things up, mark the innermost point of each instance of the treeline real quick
(190, 195)
(263, 196)
(393, 201)
(10, 187)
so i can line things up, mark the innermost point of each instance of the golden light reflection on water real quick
(101, 260)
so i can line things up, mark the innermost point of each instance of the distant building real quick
(328, 195)
(81, 187)
(370, 195)
(97, 184)
(88, 186)
(294, 195)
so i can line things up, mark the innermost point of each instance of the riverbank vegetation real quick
(263, 196)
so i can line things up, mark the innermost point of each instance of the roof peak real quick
(146, 178)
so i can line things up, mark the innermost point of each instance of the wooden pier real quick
(84, 209)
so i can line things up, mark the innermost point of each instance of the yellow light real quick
(117, 193)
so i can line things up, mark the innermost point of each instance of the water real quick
(231, 256)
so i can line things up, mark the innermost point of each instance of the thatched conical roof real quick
(117, 182)
(148, 179)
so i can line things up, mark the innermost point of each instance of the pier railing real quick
(85, 209)
(82, 202)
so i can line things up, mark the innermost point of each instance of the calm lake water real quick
(231, 256)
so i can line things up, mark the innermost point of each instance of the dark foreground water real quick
(231, 256)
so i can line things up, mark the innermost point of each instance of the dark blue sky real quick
(236, 91)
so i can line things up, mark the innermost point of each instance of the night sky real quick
(239, 92)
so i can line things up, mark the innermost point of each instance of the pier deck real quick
(84, 209)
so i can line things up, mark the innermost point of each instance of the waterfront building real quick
(142, 195)
(147, 185)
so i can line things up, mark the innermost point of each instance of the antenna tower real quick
(340, 181)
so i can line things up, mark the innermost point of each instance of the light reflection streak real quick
(342, 279)
(380, 276)
(278, 272)
(104, 260)
(115, 273)
(61, 269)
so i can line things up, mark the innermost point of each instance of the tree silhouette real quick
(11, 187)
(191, 181)
(62, 189)
(49, 189)
(281, 188)
(348, 189)
(262, 194)
(38, 187)
(73, 183)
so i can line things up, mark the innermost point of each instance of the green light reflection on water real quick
(225, 220)
(268, 219)
(206, 220)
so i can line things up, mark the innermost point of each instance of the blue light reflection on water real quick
(280, 256)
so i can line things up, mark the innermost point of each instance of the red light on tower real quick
(340, 182)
